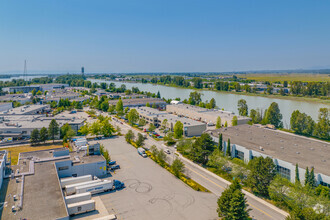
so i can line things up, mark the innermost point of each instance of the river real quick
(229, 101)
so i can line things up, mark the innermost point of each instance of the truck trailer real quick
(71, 189)
(100, 187)
(78, 198)
(73, 180)
(81, 207)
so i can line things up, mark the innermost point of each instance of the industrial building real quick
(34, 190)
(27, 110)
(30, 88)
(208, 116)
(5, 106)
(190, 127)
(135, 102)
(21, 98)
(18, 126)
(286, 150)
(3, 163)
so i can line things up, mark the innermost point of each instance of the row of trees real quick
(303, 124)
(102, 126)
(195, 98)
(44, 134)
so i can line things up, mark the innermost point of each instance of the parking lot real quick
(152, 192)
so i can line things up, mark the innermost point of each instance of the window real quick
(74, 175)
(239, 154)
(284, 172)
(79, 208)
(63, 168)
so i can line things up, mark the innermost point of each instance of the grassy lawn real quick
(288, 77)
(26, 148)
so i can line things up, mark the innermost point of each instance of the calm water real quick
(21, 77)
(229, 101)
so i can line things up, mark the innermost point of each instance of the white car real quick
(167, 151)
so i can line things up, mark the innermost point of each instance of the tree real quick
(105, 106)
(169, 138)
(297, 175)
(154, 105)
(84, 130)
(202, 148)
(218, 124)
(177, 167)
(152, 127)
(242, 107)
(301, 123)
(311, 181)
(234, 121)
(307, 177)
(35, 136)
(322, 128)
(66, 132)
(195, 98)
(142, 122)
(228, 154)
(107, 129)
(178, 129)
(164, 123)
(161, 157)
(220, 142)
(212, 104)
(273, 115)
(133, 116)
(53, 129)
(43, 134)
(238, 207)
(232, 204)
(140, 140)
(262, 172)
(226, 124)
(129, 136)
(119, 107)
(95, 128)
(158, 95)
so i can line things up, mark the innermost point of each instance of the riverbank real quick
(274, 96)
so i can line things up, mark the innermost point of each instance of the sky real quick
(163, 35)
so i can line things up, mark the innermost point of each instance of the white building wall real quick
(249, 154)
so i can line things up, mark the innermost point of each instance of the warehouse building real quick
(35, 192)
(190, 127)
(3, 163)
(208, 116)
(18, 126)
(286, 150)
(27, 110)
(23, 89)
(135, 102)
(21, 98)
(5, 106)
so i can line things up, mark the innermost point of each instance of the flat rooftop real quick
(213, 112)
(26, 109)
(43, 196)
(281, 145)
(138, 101)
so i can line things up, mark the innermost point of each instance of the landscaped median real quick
(175, 171)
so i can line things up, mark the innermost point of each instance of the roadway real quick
(260, 208)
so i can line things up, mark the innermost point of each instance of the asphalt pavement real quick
(261, 209)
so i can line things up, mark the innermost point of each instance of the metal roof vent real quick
(297, 152)
(282, 147)
(311, 148)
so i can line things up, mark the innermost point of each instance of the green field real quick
(287, 77)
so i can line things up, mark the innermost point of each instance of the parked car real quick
(167, 151)
(112, 162)
(115, 167)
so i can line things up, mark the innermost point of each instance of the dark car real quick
(115, 167)
(112, 162)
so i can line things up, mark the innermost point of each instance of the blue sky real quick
(164, 35)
